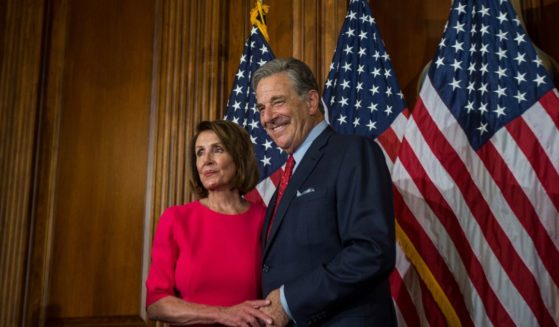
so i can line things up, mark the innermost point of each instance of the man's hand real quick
(245, 314)
(275, 309)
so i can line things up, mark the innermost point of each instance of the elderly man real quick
(328, 240)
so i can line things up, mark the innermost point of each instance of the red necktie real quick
(285, 177)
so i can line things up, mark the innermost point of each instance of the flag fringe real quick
(425, 273)
(257, 17)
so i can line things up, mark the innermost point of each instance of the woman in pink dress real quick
(205, 259)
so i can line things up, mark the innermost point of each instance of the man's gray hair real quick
(301, 75)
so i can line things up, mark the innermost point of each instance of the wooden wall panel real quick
(101, 160)
(540, 19)
(96, 129)
(332, 16)
(307, 30)
(411, 31)
(281, 26)
(37, 285)
(20, 45)
(188, 87)
(316, 26)
(236, 28)
(546, 28)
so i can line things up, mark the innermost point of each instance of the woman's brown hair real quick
(236, 142)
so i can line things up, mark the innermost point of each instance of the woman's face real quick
(214, 164)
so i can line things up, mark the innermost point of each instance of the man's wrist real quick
(284, 304)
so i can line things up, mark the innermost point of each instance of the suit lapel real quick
(303, 171)
(269, 213)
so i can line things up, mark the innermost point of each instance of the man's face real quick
(287, 117)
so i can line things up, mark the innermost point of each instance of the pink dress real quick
(206, 257)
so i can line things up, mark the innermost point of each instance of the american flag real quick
(363, 97)
(477, 175)
(242, 110)
(362, 93)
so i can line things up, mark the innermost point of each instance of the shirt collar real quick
(302, 149)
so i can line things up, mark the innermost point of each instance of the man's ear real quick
(313, 100)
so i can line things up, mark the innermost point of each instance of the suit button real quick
(265, 268)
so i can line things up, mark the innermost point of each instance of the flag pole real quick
(241, 106)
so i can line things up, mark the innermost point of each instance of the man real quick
(329, 242)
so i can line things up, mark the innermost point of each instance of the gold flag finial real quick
(258, 18)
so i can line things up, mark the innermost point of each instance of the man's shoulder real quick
(353, 137)
(352, 146)
(333, 143)
(349, 140)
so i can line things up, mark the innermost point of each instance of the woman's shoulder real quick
(180, 211)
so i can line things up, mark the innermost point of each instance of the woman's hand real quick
(244, 314)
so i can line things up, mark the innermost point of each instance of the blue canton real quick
(362, 93)
(486, 69)
(241, 106)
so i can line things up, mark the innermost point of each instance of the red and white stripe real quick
(264, 191)
(411, 299)
(485, 222)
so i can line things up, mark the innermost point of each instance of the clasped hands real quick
(257, 313)
(275, 310)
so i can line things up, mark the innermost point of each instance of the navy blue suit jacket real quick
(332, 241)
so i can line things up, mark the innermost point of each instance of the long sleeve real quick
(365, 231)
(164, 253)
(206, 257)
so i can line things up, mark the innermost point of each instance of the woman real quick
(205, 266)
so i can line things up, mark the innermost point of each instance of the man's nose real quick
(266, 116)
